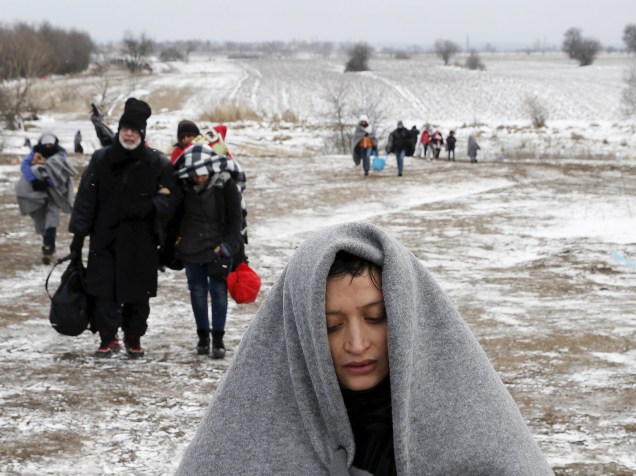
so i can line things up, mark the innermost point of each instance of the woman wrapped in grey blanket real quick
(358, 363)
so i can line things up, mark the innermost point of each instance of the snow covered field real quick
(535, 244)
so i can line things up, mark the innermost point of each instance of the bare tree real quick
(628, 97)
(584, 50)
(189, 47)
(71, 49)
(629, 37)
(338, 98)
(373, 107)
(359, 58)
(137, 51)
(24, 57)
(445, 49)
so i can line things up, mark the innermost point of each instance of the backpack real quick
(72, 308)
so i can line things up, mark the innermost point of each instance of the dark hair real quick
(345, 263)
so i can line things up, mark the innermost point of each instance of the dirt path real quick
(512, 243)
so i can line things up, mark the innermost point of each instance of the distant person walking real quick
(450, 145)
(126, 189)
(437, 141)
(363, 143)
(397, 144)
(473, 147)
(77, 142)
(425, 141)
(45, 188)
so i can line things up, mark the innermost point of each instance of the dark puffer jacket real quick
(122, 197)
(211, 216)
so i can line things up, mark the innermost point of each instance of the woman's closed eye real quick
(333, 325)
(376, 319)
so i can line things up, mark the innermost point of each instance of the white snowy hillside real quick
(287, 103)
(535, 245)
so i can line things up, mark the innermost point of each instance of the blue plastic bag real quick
(378, 163)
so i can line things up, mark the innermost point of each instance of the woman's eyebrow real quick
(371, 304)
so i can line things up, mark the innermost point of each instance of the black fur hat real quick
(135, 115)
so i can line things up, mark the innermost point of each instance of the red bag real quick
(243, 284)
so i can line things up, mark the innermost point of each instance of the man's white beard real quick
(129, 146)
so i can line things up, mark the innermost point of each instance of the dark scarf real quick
(370, 416)
(47, 151)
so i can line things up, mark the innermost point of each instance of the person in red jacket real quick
(425, 141)
(187, 131)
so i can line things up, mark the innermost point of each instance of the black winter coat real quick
(120, 206)
(210, 217)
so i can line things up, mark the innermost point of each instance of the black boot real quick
(218, 349)
(47, 254)
(110, 344)
(203, 346)
(132, 342)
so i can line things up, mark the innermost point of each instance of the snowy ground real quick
(537, 251)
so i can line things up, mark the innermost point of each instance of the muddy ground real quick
(518, 245)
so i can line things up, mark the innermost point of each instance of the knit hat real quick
(186, 127)
(135, 114)
(47, 138)
(364, 118)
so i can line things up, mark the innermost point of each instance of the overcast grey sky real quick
(503, 23)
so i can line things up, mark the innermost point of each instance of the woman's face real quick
(357, 331)
(200, 179)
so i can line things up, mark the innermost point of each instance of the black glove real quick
(139, 209)
(76, 247)
(40, 185)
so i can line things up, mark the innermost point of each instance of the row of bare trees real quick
(27, 53)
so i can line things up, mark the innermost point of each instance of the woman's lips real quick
(362, 367)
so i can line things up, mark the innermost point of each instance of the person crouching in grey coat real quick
(45, 188)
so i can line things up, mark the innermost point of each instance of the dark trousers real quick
(48, 239)
(451, 154)
(131, 317)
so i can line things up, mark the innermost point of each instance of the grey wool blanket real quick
(61, 191)
(358, 134)
(279, 408)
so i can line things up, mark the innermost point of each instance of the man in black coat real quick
(398, 144)
(126, 191)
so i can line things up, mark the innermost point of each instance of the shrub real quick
(473, 62)
(359, 58)
(537, 111)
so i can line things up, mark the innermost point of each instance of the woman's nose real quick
(357, 341)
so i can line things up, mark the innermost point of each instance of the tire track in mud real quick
(402, 91)
(251, 74)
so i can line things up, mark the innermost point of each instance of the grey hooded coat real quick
(279, 409)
